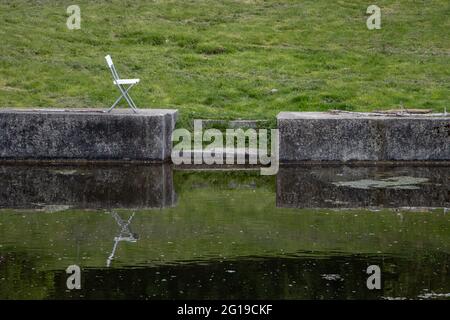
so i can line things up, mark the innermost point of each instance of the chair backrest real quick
(109, 60)
(111, 66)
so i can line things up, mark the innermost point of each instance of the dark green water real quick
(223, 234)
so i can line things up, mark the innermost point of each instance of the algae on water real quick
(402, 182)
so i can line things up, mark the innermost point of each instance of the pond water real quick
(159, 232)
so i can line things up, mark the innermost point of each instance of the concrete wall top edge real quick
(368, 115)
(118, 112)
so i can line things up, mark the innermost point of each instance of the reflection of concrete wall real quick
(143, 186)
(312, 187)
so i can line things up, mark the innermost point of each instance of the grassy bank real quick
(227, 59)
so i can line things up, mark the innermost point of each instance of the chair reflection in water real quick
(125, 234)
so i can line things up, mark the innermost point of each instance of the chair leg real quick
(114, 104)
(132, 105)
(124, 94)
(129, 97)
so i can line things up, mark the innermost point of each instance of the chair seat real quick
(126, 81)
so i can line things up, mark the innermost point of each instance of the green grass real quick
(221, 59)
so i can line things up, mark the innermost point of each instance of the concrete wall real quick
(86, 135)
(317, 136)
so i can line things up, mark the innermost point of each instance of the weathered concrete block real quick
(87, 187)
(360, 187)
(86, 134)
(321, 136)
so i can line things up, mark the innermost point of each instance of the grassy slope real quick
(221, 59)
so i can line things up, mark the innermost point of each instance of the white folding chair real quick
(121, 83)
